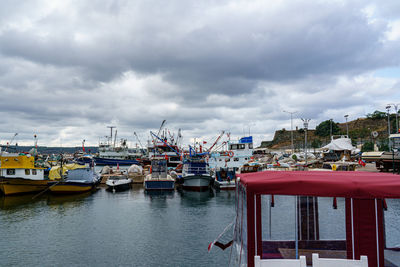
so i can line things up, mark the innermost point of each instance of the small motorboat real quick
(225, 179)
(119, 182)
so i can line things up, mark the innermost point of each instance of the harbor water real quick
(130, 228)
(134, 228)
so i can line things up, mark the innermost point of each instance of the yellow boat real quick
(77, 180)
(18, 174)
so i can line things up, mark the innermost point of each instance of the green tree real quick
(324, 128)
(367, 146)
(316, 143)
(377, 115)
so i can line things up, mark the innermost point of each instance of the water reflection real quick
(12, 202)
(193, 198)
(69, 200)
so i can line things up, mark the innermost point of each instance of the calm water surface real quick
(133, 228)
(128, 228)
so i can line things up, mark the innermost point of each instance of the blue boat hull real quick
(159, 185)
(114, 162)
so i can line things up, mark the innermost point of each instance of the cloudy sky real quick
(68, 69)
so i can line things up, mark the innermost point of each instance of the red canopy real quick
(351, 184)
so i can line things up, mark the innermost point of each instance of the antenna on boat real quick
(137, 137)
(111, 130)
(12, 139)
(115, 137)
(162, 125)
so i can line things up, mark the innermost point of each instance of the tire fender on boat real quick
(230, 153)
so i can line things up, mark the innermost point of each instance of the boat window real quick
(34, 172)
(241, 146)
(250, 146)
(236, 159)
(321, 225)
(220, 159)
(10, 171)
(233, 147)
(27, 171)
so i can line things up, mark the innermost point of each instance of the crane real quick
(216, 141)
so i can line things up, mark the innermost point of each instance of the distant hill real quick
(52, 150)
(359, 131)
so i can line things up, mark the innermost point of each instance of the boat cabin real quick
(339, 215)
(159, 168)
(15, 165)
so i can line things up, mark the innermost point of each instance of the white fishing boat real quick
(196, 174)
(159, 179)
(237, 154)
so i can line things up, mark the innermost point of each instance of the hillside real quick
(359, 131)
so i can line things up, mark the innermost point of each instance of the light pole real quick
(396, 106)
(305, 122)
(388, 113)
(291, 127)
(347, 126)
(331, 126)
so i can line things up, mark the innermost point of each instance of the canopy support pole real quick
(377, 231)
(352, 228)
(296, 226)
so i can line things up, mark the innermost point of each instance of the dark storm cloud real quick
(199, 64)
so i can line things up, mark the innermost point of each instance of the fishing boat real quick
(237, 154)
(167, 148)
(196, 174)
(19, 174)
(76, 181)
(112, 154)
(159, 179)
(119, 182)
(225, 179)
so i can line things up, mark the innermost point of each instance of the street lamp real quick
(305, 122)
(347, 126)
(330, 120)
(388, 113)
(291, 126)
(396, 106)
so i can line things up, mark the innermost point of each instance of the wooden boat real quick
(76, 181)
(18, 174)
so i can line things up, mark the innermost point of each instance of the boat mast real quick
(111, 130)
(115, 137)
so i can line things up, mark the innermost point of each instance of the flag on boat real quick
(361, 162)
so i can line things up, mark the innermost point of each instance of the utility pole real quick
(331, 127)
(388, 113)
(291, 127)
(347, 126)
(396, 106)
(305, 122)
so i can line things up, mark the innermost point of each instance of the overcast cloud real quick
(70, 68)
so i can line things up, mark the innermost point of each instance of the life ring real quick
(230, 153)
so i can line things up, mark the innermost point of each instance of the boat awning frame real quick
(357, 184)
